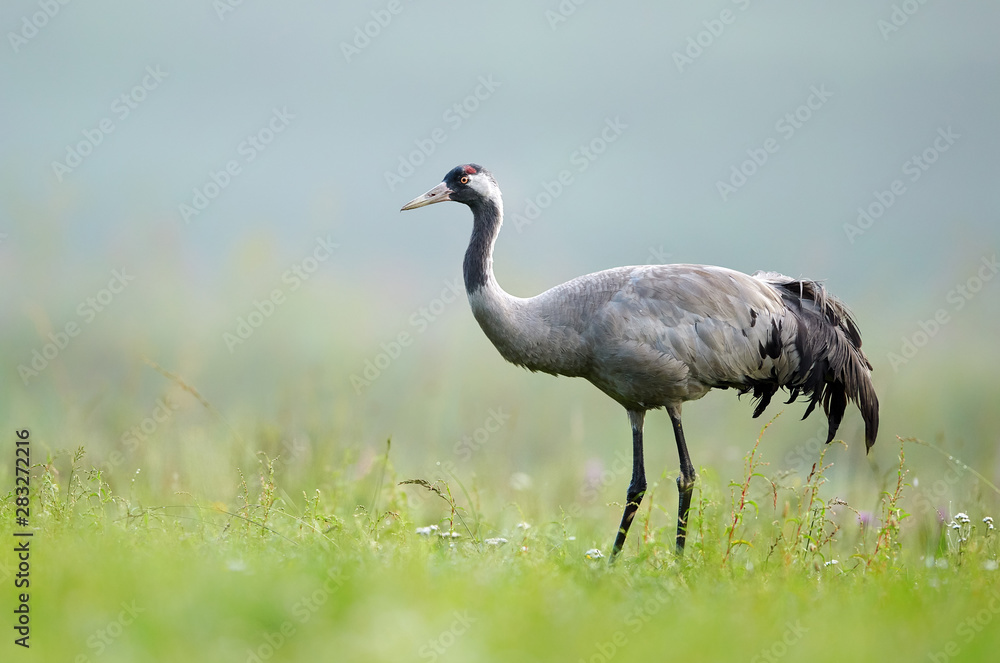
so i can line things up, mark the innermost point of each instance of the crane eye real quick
(465, 179)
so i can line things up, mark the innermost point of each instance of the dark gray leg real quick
(685, 482)
(637, 487)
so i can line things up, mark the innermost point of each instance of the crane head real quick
(468, 183)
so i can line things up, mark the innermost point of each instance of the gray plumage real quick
(656, 336)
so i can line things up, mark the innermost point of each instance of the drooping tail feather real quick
(832, 369)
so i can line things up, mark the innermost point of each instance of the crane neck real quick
(535, 332)
(478, 267)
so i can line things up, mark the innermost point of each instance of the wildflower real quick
(831, 562)
(524, 526)
(496, 541)
(989, 523)
(962, 518)
(449, 535)
(954, 525)
(427, 531)
(593, 553)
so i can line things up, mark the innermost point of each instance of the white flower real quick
(954, 525)
(962, 518)
(427, 531)
(497, 541)
(989, 523)
(593, 553)
(831, 562)
(449, 535)
(524, 526)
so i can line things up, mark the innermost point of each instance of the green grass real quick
(776, 568)
(261, 513)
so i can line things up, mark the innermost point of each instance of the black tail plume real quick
(832, 369)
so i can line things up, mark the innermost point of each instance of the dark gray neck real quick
(478, 266)
(521, 329)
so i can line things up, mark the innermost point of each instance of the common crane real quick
(655, 336)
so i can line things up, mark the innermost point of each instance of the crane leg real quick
(685, 482)
(637, 487)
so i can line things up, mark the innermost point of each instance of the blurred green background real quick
(307, 125)
(651, 196)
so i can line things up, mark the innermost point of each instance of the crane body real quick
(657, 336)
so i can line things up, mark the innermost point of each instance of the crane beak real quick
(436, 195)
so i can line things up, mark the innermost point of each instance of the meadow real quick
(263, 424)
(264, 506)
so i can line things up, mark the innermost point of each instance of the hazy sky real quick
(741, 133)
